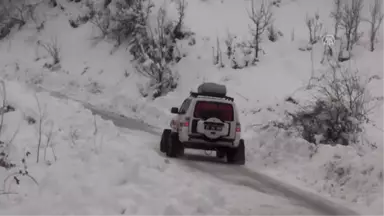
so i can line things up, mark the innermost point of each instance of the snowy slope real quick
(107, 170)
(281, 72)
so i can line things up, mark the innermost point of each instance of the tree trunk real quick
(257, 35)
(372, 37)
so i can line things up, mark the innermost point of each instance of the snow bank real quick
(82, 177)
(350, 173)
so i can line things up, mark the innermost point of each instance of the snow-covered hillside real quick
(93, 71)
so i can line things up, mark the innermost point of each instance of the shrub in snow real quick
(4, 160)
(344, 55)
(340, 171)
(276, 3)
(15, 13)
(342, 105)
(87, 15)
(4, 146)
(341, 53)
(154, 52)
(154, 49)
(123, 21)
(94, 87)
(178, 31)
(305, 47)
(242, 56)
(53, 3)
(53, 50)
(272, 33)
(245, 53)
(240, 53)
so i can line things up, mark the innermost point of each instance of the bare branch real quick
(181, 7)
(49, 139)
(336, 15)
(3, 105)
(40, 129)
(52, 49)
(6, 193)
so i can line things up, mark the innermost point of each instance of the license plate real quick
(212, 127)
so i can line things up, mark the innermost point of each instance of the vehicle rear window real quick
(207, 109)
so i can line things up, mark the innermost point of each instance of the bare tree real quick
(375, 22)
(229, 43)
(336, 15)
(347, 24)
(261, 18)
(357, 6)
(314, 27)
(218, 57)
(350, 20)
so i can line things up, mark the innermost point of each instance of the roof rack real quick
(195, 94)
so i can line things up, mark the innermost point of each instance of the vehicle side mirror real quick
(175, 110)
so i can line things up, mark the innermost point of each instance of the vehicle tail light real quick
(238, 127)
(172, 123)
(186, 122)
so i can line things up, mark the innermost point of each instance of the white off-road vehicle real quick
(206, 120)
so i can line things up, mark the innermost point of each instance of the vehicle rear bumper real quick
(206, 144)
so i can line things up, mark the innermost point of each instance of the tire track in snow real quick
(119, 120)
(263, 183)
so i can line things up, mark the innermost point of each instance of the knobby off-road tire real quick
(164, 140)
(237, 155)
(175, 147)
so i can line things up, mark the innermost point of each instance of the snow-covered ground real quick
(89, 72)
(91, 167)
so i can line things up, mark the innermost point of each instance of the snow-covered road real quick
(242, 176)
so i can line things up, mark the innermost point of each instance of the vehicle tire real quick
(164, 140)
(220, 154)
(174, 147)
(237, 155)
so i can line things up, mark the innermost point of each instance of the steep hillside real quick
(91, 69)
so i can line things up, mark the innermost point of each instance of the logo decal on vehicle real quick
(329, 40)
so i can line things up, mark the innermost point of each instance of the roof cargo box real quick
(212, 89)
